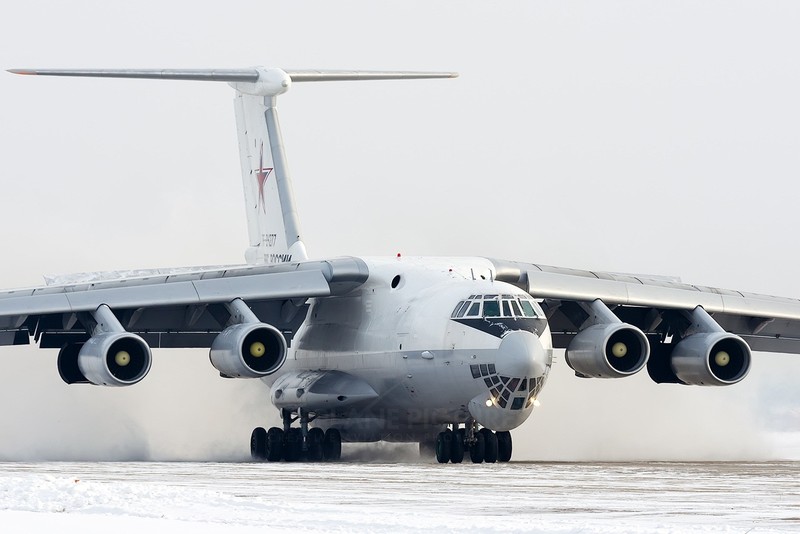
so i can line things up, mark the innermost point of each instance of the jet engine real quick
(711, 359)
(112, 359)
(248, 350)
(610, 350)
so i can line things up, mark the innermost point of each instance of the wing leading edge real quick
(766, 323)
(178, 310)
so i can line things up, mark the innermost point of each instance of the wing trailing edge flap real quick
(14, 337)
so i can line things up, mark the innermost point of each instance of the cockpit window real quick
(491, 308)
(511, 306)
(527, 308)
(460, 309)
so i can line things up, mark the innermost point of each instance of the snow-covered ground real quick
(381, 497)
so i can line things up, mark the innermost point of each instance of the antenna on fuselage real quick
(272, 220)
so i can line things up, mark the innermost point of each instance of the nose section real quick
(521, 354)
(506, 405)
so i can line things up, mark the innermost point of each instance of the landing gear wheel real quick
(274, 450)
(477, 449)
(293, 445)
(490, 449)
(457, 446)
(443, 446)
(315, 453)
(504, 446)
(258, 444)
(332, 445)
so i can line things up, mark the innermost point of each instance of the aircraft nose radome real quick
(521, 354)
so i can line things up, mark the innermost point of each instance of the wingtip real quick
(24, 72)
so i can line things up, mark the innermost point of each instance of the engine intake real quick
(248, 350)
(114, 359)
(611, 350)
(711, 359)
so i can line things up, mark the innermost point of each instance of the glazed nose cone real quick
(521, 355)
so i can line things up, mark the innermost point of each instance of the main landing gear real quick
(482, 445)
(295, 444)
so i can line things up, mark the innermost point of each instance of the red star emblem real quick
(262, 173)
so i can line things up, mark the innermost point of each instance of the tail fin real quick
(272, 220)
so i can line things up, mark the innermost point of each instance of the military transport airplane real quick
(451, 353)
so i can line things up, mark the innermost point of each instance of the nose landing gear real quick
(483, 445)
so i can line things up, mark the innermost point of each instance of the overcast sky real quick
(645, 137)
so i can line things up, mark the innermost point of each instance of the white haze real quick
(184, 411)
(622, 136)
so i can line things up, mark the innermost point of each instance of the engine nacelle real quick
(711, 359)
(611, 350)
(248, 350)
(114, 359)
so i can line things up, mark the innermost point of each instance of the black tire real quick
(332, 445)
(258, 444)
(457, 446)
(443, 445)
(293, 445)
(477, 449)
(315, 452)
(490, 448)
(504, 446)
(274, 451)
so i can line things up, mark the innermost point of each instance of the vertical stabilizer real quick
(272, 221)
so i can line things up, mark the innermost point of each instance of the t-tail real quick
(272, 221)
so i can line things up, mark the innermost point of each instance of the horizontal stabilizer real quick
(273, 224)
(208, 75)
(235, 75)
(348, 75)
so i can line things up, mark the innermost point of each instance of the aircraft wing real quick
(184, 309)
(653, 304)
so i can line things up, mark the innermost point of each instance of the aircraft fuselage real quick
(437, 342)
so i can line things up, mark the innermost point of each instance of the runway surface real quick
(383, 497)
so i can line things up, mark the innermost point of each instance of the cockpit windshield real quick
(497, 306)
